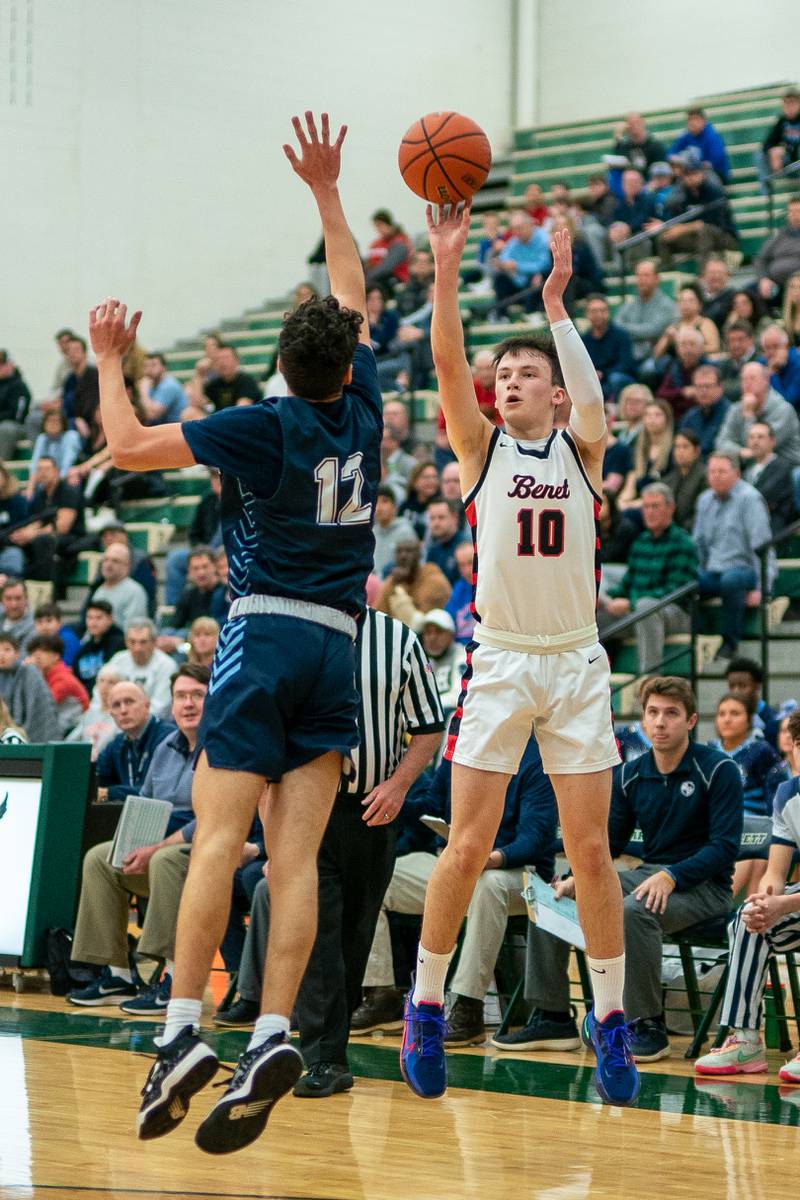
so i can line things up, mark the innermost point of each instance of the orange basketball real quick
(445, 157)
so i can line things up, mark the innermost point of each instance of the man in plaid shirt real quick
(662, 558)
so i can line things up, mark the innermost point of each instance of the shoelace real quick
(430, 1038)
(238, 1072)
(618, 1046)
(319, 1068)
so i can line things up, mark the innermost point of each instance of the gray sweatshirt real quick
(779, 257)
(30, 702)
(781, 417)
(646, 320)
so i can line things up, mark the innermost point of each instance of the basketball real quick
(445, 157)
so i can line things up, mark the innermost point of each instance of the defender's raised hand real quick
(561, 273)
(448, 230)
(109, 335)
(319, 161)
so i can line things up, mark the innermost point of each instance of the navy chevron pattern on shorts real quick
(229, 654)
(244, 540)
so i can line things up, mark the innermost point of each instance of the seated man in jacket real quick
(687, 800)
(125, 761)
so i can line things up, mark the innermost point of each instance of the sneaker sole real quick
(224, 1130)
(422, 1095)
(233, 1024)
(754, 1068)
(113, 1000)
(379, 1027)
(664, 1052)
(605, 1096)
(145, 1012)
(169, 1112)
(473, 1039)
(786, 1078)
(549, 1044)
(343, 1084)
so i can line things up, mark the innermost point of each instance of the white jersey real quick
(533, 515)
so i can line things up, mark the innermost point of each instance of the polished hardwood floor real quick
(521, 1126)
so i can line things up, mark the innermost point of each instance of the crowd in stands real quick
(702, 390)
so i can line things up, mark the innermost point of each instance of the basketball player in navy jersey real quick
(531, 495)
(300, 479)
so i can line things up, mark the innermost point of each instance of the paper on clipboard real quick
(439, 826)
(143, 822)
(559, 917)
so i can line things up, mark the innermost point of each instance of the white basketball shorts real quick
(564, 696)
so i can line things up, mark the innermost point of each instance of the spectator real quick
(690, 316)
(57, 442)
(483, 378)
(716, 290)
(534, 204)
(687, 479)
(421, 491)
(731, 526)
(47, 620)
(634, 209)
(653, 453)
(11, 734)
(518, 270)
(659, 188)
(127, 598)
(526, 836)
(62, 340)
(412, 346)
(156, 872)
(785, 746)
(15, 398)
(766, 924)
(18, 620)
(617, 465)
(647, 315)
(759, 763)
(602, 202)
(389, 529)
(412, 588)
(714, 230)
(745, 677)
(491, 242)
(230, 385)
(102, 640)
(782, 144)
(783, 361)
(414, 294)
(125, 760)
(204, 596)
(770, 475)
(459, 606)
(618, 532)
(202, 640)
(205, 530)
(384, 324)
(779, 257)
(687, 800)
(46, 652)
(451, 489)
(662, 559)
(587, 274)
(26, 694)
(387, 257)
(748, 307)
(142, 568)
(791, 308)
(162, 397)
(633, 400)
(707, 416)
(444, 525)
(80, 393)
(144, 664)
(609, 348)
(51, 539)
(677, 387)
(447, 656)
(97, 725)
(13, 510)
(637, 144)
(760, 402)
(701, 135)
(397, 414)
(741, 349)
(398, 465)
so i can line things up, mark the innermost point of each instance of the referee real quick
(357, 854)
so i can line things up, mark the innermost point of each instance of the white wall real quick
(141, 144)
(601, 58)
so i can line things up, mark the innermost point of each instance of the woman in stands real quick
(690, 312)
(12, 509)
(760, 765)
(97, 725)
(687, 479)
(11, 734)
(203, 637)
(652, 457)
(632, 402)
(422, 490)
(747, 307)
(791, 308)
(55, 441)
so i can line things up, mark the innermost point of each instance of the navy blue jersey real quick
(299, 487)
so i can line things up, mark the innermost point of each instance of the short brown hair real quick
(672, 686)
(191, 671)
(793, 725)
(534, 343)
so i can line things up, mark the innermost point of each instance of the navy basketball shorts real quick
(282, 693)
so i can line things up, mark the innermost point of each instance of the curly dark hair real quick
(535, 343)
(316, 346)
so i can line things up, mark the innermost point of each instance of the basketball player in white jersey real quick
(532, 493)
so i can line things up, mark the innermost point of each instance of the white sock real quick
(179, 1014)
(267, 1025)
(430, 977)
(608, 981)
(169, 968)
(747, 1035)
(122, 973)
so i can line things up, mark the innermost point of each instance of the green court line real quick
(764, 1103)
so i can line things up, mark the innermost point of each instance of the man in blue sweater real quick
(521, 264)
(686, 798)
(526, 836)
(701, 135)
(124, 762)
(610, 348)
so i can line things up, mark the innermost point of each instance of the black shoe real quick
(324, 1079)
(182, 1067)
(541, 1033)
(465, 1025)
(380, 1011)
(649, 1040)
(239, 1016)
(726, 652)
(261, 1077)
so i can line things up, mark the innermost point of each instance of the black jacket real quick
(777, 487)
(15, 398)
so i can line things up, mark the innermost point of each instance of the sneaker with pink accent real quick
(790, 1071)
(736, 1056)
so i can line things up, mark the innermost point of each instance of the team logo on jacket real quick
(526, 488)
(687, 788)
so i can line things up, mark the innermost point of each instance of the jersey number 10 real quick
(327, 473)
(550, 542)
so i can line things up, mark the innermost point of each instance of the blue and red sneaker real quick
(422, 1056)
(616, 1077)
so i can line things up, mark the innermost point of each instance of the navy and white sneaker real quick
(260, 1078)
(108, 989)
(182, 1067)
(616, 1077)
(150, 1000)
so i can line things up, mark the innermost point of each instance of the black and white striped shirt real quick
(398, 696)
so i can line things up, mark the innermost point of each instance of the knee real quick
(634, 911)
(588, 855)
(96, 860)
(467, 854)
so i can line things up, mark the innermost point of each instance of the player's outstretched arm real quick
(468, 430)
(318, 165)
(133, 446)
(588, 420)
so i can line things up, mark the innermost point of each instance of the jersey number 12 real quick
(327, 474)
(550, 542)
